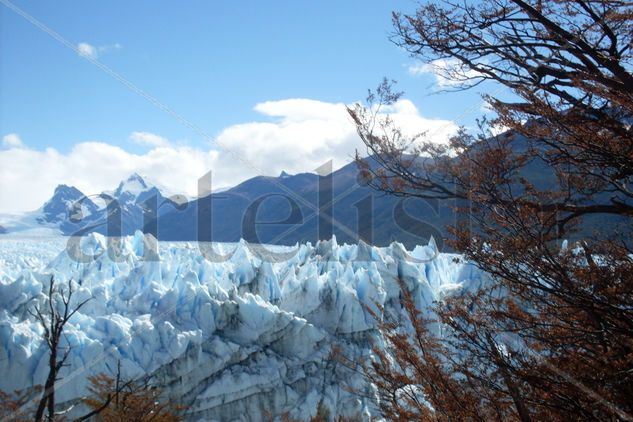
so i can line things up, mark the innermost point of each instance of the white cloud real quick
(86, 50)
(30, 176)
(12, 140)
(447, 72)
(308, 133)
(298, 136)
(91, 52)
(407, 117)
(147, 138)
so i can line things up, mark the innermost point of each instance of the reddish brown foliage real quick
(15, 407)
(552, 337)
(114, 400)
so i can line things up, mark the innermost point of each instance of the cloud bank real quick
(295, 135)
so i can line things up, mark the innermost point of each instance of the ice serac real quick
(233, 340)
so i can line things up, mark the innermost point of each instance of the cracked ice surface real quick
(230, 340)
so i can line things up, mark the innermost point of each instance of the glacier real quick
(236, 339)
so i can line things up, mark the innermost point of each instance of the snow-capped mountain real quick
(231, 341)
(135, 191)
(119, 212)
(136, 204)
(130, 189)
(132, 205)
(67, 204)
(65, 212)
(287, 207)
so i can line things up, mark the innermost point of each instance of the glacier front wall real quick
(232, 340)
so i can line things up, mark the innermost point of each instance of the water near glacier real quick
(232, 340)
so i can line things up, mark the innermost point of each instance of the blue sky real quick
(212, 62)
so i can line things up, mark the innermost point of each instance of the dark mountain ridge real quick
(283, 210)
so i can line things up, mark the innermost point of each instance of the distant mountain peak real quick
(284, 175)
(69, 210)
(64, 194)
(132, 186)
(136, 177)
(62, 189)
(64, 199)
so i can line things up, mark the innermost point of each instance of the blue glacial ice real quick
(230, 340)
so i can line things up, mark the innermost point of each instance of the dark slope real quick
(283, 210)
